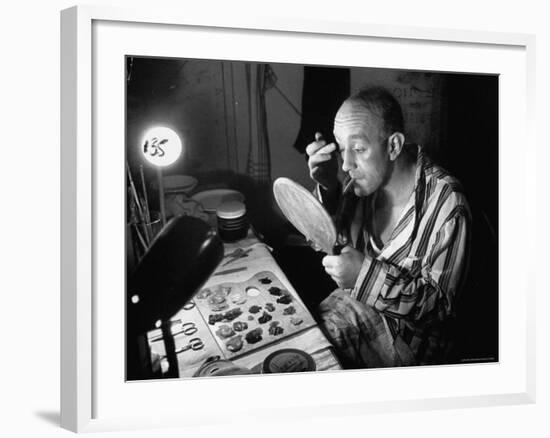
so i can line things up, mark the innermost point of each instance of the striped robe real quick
(405, 293)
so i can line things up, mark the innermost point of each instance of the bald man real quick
(408, 239)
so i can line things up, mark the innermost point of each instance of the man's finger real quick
(312, 148)
(336, 278)
(330, 261)
(347, 249)
(317, 159)
(328, 149)
(332, 273)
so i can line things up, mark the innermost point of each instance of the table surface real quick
(258, 259)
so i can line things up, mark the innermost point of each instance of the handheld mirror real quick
(306, 213)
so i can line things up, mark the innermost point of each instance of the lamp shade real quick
(161, 146)
(180, 260)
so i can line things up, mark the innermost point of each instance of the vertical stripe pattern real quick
(414, 279)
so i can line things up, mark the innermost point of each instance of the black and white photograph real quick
(286, 218)
(239, 219)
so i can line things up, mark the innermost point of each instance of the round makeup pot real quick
(232, 221)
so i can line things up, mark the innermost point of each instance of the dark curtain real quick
(324, 90)
(471, 153)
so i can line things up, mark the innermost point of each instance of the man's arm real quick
(427, 285)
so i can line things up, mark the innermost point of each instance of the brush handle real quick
(343, 215)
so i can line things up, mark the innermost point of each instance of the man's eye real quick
(359, 148)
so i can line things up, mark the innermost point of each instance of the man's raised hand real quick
(323, 165)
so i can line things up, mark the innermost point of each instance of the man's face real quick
(363, 148)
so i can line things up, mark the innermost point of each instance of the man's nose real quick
(348, 162)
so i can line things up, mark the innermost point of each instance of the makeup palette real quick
(252, 314)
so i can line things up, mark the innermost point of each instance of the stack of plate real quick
(212, 199)
(179, 184)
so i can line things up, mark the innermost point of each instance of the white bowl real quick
(179, 183)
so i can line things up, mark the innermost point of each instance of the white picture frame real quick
(86, 404)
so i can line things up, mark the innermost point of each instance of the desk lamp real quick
(177, 263)
(181, 258)
(161, 147)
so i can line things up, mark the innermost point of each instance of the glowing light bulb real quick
(161, 146)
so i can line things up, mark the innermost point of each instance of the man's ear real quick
(395, 145)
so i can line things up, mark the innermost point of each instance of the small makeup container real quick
(232, 221)
(288, 360)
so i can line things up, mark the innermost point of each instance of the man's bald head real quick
(381, 104)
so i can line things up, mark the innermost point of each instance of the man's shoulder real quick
(442, 185)
(442, 178)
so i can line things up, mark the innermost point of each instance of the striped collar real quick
(406, 228)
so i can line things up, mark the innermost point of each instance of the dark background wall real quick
(471, 137)
(206, 103)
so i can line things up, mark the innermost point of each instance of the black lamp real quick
(179, 261)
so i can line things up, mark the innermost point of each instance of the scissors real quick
(194, 344)
(236, 255)
(186, 328)
(189, 305)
